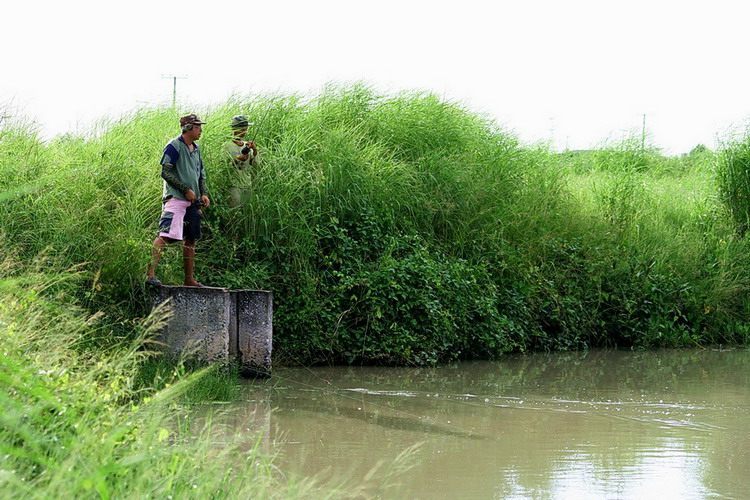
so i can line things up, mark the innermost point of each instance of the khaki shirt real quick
(233, 150)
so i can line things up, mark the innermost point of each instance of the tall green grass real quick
(398, 229)
(734, 182)
(75, 424)
(685, 267)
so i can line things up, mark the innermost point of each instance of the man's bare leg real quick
(188, 256)
(156, 250)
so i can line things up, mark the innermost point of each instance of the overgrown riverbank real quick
(392, 230)
(400, 230)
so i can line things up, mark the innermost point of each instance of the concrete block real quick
(199, 324)
(254, 312)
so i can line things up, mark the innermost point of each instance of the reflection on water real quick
(667, 424)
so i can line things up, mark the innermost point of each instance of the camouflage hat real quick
(240, 121)
(190, 119)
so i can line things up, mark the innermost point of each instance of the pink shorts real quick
(179, 219)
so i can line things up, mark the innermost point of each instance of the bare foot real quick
(192, 282)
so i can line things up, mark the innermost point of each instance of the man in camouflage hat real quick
(185, 193)
(243, 154)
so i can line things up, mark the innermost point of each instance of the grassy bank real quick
(76, 422)
(399, 229)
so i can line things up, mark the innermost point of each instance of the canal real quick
(599, 424)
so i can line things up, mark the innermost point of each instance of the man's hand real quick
(190, 195)
(251, 145)
(206, 202)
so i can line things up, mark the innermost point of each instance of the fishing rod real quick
(261, 122)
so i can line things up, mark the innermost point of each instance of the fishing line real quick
(338, 392)
(261, 122)
(334, 391)
(344, 393)
(482, 401)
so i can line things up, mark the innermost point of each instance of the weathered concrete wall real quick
(254, 310)
(199, 322)
(218, 325)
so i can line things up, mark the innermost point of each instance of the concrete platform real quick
(219, 325)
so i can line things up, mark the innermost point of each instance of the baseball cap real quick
(240, 121)
(192, 119)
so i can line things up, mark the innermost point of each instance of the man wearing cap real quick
(243, 154)
(184, 194)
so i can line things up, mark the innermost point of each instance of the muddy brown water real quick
(602, 424)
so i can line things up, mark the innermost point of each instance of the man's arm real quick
(252, 152)
(254, 159)
(202, 186)
(202, 179)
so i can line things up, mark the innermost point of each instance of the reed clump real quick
(734, 182)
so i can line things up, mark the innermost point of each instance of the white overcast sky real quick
(574, 72)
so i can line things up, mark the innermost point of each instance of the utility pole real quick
(174, 87)
(552, 132)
